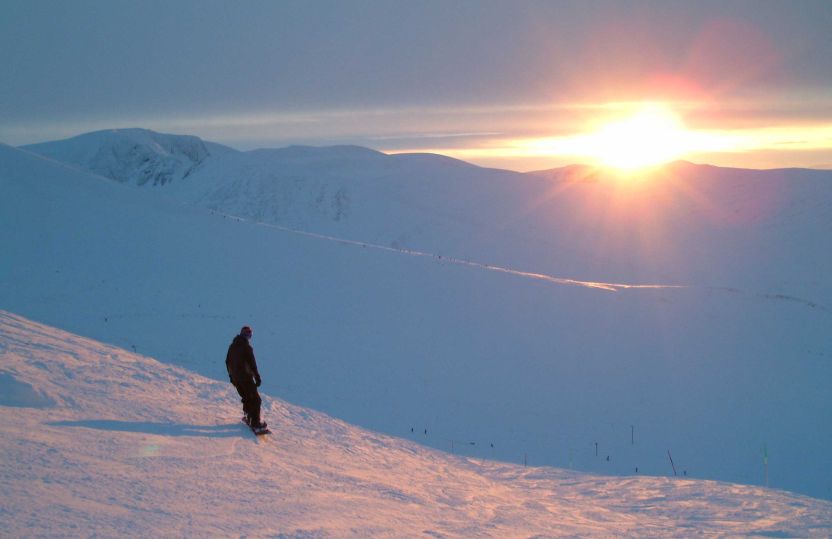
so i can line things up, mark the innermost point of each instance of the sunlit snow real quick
(135, 447)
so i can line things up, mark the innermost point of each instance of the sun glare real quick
(630, 136)
(649, 134)
(652, 135)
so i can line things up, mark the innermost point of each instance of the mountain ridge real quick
(430, 203)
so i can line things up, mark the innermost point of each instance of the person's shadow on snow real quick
(164, 429)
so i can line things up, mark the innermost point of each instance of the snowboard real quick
(258, 432)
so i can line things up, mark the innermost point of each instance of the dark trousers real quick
(250, 397)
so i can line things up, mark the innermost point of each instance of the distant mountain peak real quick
(132, 155)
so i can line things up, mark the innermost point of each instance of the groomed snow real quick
(128, 446)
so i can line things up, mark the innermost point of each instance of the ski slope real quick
(96, 440)
(480, 356)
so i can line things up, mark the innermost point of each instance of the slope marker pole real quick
(765, 461)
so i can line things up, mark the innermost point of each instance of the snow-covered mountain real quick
(481, 356)
(99, 441)
(133, 156)
(686, 224)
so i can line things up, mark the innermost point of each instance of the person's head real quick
(246, 332)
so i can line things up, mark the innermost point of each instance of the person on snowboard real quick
(242, 371)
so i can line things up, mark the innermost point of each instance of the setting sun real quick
(629, 136)
(640, 135)
(652, 135)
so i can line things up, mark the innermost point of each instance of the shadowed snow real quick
(20, 394)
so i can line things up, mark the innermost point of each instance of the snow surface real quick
(446, 348)
(133, 447)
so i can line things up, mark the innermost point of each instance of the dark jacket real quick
(240, 361)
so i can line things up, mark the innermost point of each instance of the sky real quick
(522, 85)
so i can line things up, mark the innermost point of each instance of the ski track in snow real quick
(134, 447)
(609, 287)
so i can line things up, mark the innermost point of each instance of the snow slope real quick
(96, 440)
(438, 349)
